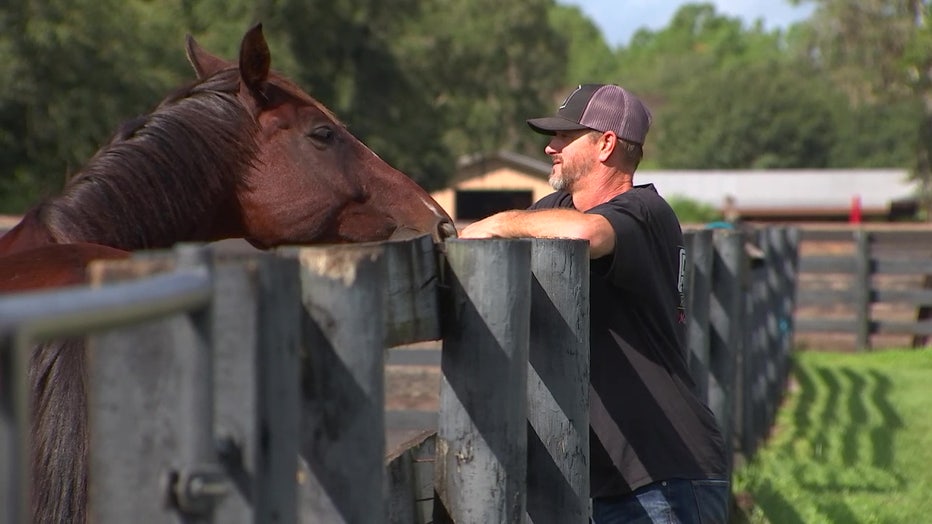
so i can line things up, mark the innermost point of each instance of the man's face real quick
(573, 156)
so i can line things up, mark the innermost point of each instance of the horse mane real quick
(163, 174)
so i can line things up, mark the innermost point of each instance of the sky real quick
(620, 19)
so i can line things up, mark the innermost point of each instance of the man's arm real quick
(547, 223)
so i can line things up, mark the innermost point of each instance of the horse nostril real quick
(447, 230)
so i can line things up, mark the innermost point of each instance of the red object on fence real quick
(855, 216)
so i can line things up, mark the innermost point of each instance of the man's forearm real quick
(547, 223)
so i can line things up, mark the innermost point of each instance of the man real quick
(655, 448)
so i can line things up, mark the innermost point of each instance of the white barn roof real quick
(763, 192)
(796, 189)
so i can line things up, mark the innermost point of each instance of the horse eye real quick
(322, 133)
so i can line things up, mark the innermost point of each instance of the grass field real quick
(852, 444)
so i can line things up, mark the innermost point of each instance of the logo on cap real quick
(567, 99)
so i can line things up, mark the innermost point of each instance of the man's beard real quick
(558, 181)
(569, 173)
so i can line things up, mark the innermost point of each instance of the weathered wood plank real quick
(256, 334)
(481, 463)
(700, 255)
(343, 397)
(830, 264)
(140, 462)
(411, 312)
(727, 315)
(826, 325)
(558, 383)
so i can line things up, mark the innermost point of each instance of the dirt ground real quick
(412, 388)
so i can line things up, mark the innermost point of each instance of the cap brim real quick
(551, 124)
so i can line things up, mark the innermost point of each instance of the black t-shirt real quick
(646, 424)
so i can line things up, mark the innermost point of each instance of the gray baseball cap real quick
(602, 107)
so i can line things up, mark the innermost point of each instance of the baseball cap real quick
(602, 107)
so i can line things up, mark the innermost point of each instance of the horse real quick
(241, 152)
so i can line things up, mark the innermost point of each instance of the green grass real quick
(852, 444)
(693, 212)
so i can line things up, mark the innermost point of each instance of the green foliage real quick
(592, 60)
(876, 135)
(689, 211)
(712, 123)
(879, 53)
(74, 80)
(488, 65)
(851, 443)
(698, 41)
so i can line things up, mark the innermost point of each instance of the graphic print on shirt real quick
(681, 287)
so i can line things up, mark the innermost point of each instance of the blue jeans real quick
(667, 502)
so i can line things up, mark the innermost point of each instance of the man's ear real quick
(607, 143)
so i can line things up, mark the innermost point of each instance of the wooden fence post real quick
(256, 332)
(753, 371)
(790, 277)
(558, 383)
(862, 289)
(699, 255)
(481, 466)
(726, 322)
(780, 252)
(151, 436)
(773, 253)
(343, 410)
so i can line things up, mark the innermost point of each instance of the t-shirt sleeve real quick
(628, 263)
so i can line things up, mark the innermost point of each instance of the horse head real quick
(312, 180)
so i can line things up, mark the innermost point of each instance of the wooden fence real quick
(211, 373)
(865, 284)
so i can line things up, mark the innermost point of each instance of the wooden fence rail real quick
(259, 395)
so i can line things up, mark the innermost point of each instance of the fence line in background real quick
(870, 270)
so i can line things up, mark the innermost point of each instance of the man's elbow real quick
(600, 234)
(601, 246)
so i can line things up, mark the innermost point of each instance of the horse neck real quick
(132, 225)
(173, 179)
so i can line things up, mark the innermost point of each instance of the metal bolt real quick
(198, 490)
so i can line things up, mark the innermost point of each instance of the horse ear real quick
(205, 64)
(254, 59)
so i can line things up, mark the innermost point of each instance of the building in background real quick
(484, 185)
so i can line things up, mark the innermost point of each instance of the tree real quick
(488, 66)
(697, 40)
(684, 71)
(880, 52)
(588, 58)
(747, 117)
(78, 68)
